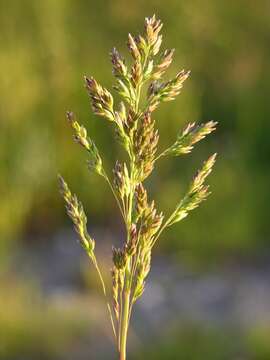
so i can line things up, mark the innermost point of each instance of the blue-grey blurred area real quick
(208, 295)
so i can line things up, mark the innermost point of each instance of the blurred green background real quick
(46, 47)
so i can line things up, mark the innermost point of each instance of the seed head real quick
(141, 45)
(101, 99)
(141, 199)
(121, 179)
(164, 63)
(119, 258)
(77, 215)
(142, 272)
(115, 290)
(136, 131)
(80, 135)
(151, 222)
(189, 137)
(152, 29)
(130, 246)
(167, 91)
(136, 74)
(196, 194)
(133, 48)
(145, 142)
(203, 173)
(119, 67)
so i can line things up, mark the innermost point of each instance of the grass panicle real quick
(136, 131)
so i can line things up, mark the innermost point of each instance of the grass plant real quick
(142, 89)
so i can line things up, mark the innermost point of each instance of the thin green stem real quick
(120, 318)
(122, 210)
(126, 291)
(94, 260)
(132, 302)
(164, 153)
(131, 194)
(124, 324)
(132, 277)
(163, 227)
(160, 155)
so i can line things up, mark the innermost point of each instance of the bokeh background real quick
(208, 296)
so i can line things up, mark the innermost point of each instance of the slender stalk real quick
(126, 295)
(124, 324)
(120, 320)
(105, 293)
(115, 196)
(163, 227)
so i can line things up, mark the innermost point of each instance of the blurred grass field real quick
(46, 47)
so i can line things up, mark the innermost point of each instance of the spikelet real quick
(189, 137)
(141, 200)
(77, 215)
(119, 258)
(145, 142)
(136, 74)
(151, 222)
(167, 91)
(142, 272)
(115, 291)
(163, 65)
(121, 179)
(119, 66)
(202, 174)
(80, 136)
(101, 99)
(196, 194)
(133, 48)
(131, 244)
(152, 29)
